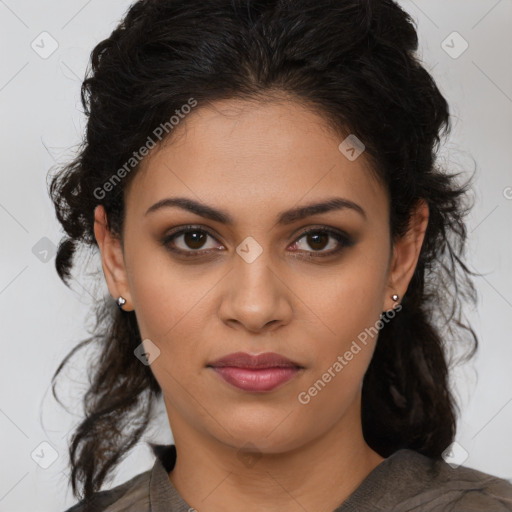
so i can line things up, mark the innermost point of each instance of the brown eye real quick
(189, 241)
(194, 239)
(316, 240)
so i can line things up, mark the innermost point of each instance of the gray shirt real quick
(405, 481)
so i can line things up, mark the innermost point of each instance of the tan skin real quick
(253, 161)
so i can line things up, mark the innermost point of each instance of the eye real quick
(318, 239)
(188, 241)
(191, 241)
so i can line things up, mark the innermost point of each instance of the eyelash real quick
(342, 238)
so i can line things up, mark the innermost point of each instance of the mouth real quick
(256, 380)
(255, 373)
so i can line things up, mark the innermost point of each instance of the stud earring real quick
(396, 298)
(121, 302)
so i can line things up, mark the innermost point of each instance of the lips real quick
(255, 373)
(245, 360)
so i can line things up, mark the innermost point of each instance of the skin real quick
(254, 160)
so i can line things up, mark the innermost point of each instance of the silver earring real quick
(395, 297)
(121, 302)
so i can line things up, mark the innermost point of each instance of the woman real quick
(260, 180)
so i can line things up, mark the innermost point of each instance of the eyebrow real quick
(284, 218)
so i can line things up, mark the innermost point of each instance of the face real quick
(258, 283)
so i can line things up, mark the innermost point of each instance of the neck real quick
(317, 475)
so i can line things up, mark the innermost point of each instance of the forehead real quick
(249, 155)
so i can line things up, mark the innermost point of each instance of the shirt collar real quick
(163, 496)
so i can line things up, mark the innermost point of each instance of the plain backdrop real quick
(45, 48)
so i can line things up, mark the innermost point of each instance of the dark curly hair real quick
(354, 62)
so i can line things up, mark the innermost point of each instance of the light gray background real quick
(41, 320)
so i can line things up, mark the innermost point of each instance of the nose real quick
(255, 296)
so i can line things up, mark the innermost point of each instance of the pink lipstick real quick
(256, 373)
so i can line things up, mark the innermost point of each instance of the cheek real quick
(349, 306)
(162, 292)
(170, 318)
(341, 357)
(349, 301)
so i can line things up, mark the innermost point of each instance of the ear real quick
(112, 258)
(405, 255)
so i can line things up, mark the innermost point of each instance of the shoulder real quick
(439, 486)
(132, 495)
(135, 494)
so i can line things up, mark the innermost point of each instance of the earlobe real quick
(407, 250)
(112, 258)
